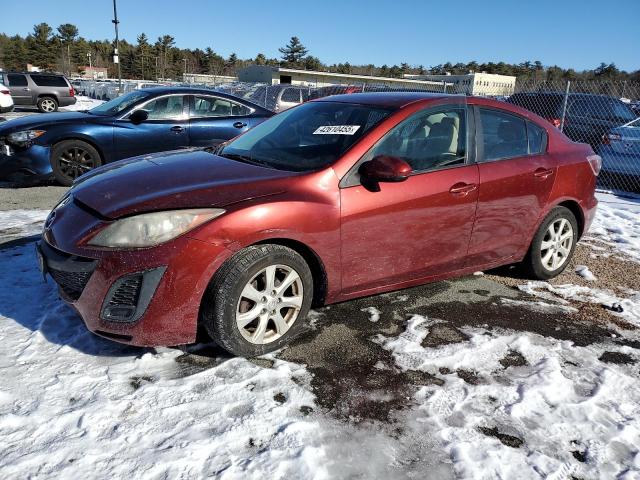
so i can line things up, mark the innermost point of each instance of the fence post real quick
(564, 105)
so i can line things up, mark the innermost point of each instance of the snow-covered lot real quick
(485, 377)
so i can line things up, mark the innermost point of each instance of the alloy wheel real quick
(556, 244)
(48, 105)
(75, 161)
(269, 304)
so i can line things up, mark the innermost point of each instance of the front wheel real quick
(258, 300)
(72, 158)
(553, 245)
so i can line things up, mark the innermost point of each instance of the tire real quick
(225, 306)
(72, 158)
(539, 262)
(47, 104)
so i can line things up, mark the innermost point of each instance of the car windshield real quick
(119, 104)
(305, 138)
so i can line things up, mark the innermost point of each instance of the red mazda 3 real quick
(337, 198)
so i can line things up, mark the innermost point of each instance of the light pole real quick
(116, 59)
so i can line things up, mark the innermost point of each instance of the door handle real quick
(177, 129)
(26, 89)
(543, 173)
(462, 189)
(239, 125)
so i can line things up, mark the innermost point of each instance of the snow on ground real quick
(82, 103)
(513, 404)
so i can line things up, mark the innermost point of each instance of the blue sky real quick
(570, 33)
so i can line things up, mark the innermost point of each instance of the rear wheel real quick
(553, 245)
(47, 104)
(72, 158)
(258, 300)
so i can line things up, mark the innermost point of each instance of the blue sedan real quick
(66, 145)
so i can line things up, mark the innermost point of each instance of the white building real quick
(312, 78)
(473, 83)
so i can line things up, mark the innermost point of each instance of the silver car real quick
(47, 91)
(621, 150)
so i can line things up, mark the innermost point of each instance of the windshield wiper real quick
(242, 158)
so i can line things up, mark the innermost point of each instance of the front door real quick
(420, 227)
(167, 128)
(516, 177)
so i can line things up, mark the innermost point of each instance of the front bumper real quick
(33, 161)
(146, 297)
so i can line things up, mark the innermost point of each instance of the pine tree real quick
(293, 53)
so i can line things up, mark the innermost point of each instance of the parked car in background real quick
(47, 91)
(338, 198)
(278, 98)
(620, 151)
(66, 145)
(6, 102)
(588, 117)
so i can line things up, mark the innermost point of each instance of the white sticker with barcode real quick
(336, 130)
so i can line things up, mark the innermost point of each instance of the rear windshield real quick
(305, 138)
(545, 105)
(49, 81)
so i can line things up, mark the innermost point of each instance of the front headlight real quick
(151, 229)
(24, 137)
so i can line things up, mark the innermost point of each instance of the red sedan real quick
(338, 198)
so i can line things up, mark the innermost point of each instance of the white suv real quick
(6, 102)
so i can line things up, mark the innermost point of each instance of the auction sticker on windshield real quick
(336, 130)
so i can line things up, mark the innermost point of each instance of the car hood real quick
(192, 178)
(42, 120)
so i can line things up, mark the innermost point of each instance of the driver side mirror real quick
(138, 117)
(383, 168)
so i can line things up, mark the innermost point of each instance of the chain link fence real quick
(602, 113)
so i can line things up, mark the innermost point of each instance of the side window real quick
(537, 137)
(205, 106)
(291, 95)
(49, 81)
(427, 140)
(16, 80)
(166, 108)
(503, 135)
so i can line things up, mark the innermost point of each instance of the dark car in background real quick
(47, 91)
(588, 116)
(66, 145)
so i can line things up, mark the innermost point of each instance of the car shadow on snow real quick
(30, 302)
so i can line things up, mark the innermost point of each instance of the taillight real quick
(556, 122)
(6, 92)
(596, 163)
(72, 92)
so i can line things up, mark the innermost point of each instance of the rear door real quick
(213, 120)
(19, 88)
(516, 177)
(167, 127)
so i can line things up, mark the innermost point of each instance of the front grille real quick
(127, 292)
(71, 283)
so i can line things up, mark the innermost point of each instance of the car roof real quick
(385, 99)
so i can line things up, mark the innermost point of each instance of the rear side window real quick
(49, 81)
(503, 135)
(217, 107)
(537, 137)
(16, 80)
